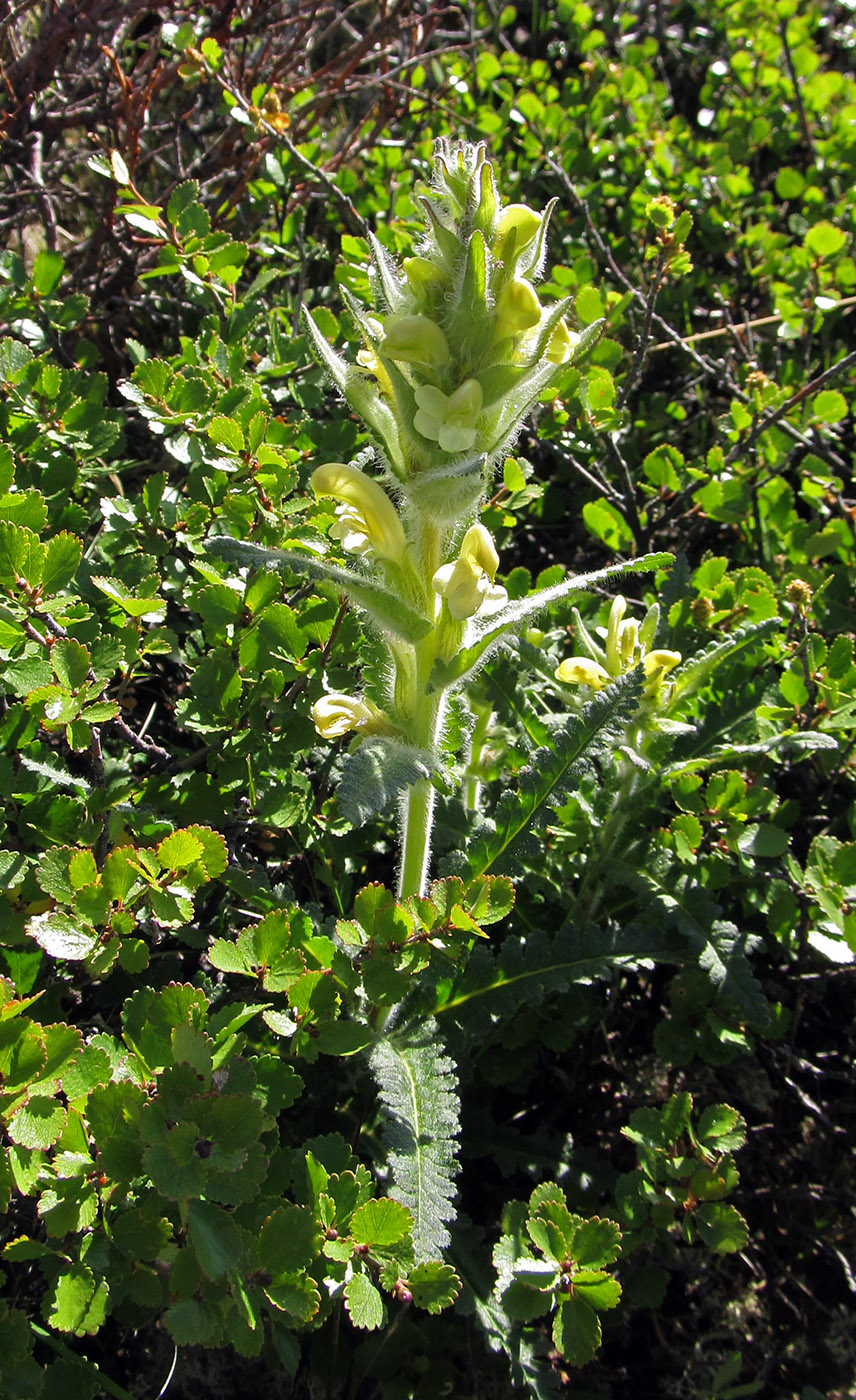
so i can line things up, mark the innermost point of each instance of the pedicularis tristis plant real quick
(457, 348)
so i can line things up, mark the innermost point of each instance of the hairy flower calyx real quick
(367, 517)
(467, 584)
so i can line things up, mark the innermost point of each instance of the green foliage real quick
(250, 1096)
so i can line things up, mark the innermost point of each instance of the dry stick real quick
(807, 136)
(737, 331)
(768, 419)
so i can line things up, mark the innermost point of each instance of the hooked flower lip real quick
(467, 584)
(367, 517)
(581, 670)
(336, 714)
(627, 645)
(517, 310)
(449, 419)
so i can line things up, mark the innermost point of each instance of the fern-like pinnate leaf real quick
(376, 774)
(387, 609)
(526, 971)
(546, 780)
(418, 1088)
(674, 901)
(699, 668)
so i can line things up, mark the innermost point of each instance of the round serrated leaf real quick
(829, 406)
(63, 937)
(576, 1331)
(77, 1303)
(39, 1123)
(722, 1227)
(824, 239)
(596, 1243)
(364, 1303)
(288, 1240)
(381, 1222)
(601, 1294)
(434, 1286)
(721, 1124)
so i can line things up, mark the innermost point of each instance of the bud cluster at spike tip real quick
(457, 346)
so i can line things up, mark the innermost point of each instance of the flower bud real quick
(613, 635)
(517, 309)
(449, 419)
(525, 221)
(368, 511)
(415, 339)
(423, 275)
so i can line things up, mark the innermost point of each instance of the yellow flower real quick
(449, 419)
(521, 218)
(415, 339)
(562, 343)
(336, 714)
(580, 670)
(627, 645)
(658, 663)
(517, 310)
(467, 584)
(367, 517)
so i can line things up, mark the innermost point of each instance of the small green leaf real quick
(829, 406)
(722, 1127)
(603, 520)
(47, 271)
(295, 1294)
(364, 1303)
(722, 1227)
(216, 1238)
(489, 898)
(38, 1124)
(121, 174)
(179, 851)
(288, 1240)
(62, 936)
(597, 1242)
(434, 1286)
(22, 556)
(70, 662)
(601, 1293)
(763, 839)
(824, 239)
(77, 1303)
(576, 1331)
(225, 432)
(381, 1222)
(181, 198)
(126, 601)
